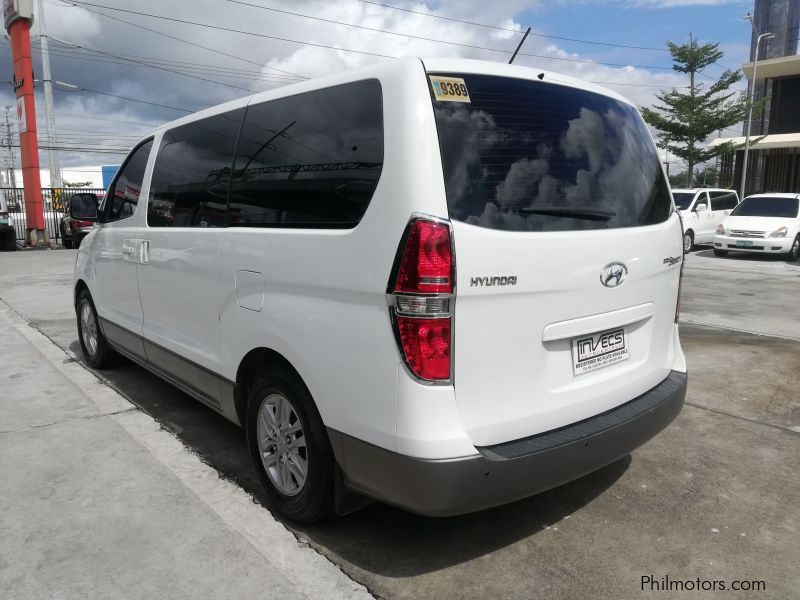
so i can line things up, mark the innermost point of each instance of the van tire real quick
(315, 499)
(688, 241)
(720, 252)
(97, 353)
(795, 251)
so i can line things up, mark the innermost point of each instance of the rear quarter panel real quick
(324, 306)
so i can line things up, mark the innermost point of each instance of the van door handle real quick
(145, 252)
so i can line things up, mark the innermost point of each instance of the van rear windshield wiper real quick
(571, 212)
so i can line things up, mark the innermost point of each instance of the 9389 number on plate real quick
(449, 89)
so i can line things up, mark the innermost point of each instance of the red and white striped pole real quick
(18, 19)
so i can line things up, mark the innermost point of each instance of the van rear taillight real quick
(427, 259)
(426, 346)
(420, 295)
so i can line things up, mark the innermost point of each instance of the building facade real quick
(774, 156)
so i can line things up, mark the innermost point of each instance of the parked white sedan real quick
(766, 223)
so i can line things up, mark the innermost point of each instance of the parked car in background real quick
(73, 230)
(6, 218)
(7, 231)
(766, 223)
(702, 210)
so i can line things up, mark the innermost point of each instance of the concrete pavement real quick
(97, 501)
(715, 496)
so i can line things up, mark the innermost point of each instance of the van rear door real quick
(567, 253)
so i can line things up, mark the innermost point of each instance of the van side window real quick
(310, 160)
(192, 171)
(123, 194)
(723, 200)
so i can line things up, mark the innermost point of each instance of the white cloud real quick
(92, 31)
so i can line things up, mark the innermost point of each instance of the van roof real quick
(703, 189)
(774, 195)
(449, 65)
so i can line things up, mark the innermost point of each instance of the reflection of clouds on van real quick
(525, 155)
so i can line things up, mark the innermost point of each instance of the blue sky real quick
(621, 22)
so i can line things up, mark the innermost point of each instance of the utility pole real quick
(50, 117)
(11, 178)
(18, 18)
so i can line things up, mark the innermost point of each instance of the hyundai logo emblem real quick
(613, 274)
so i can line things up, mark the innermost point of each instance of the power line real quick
(238, 74)
(96, 118)
(195, 44)
(327, 46)
(129, 99)
(213, 69)
(230, 29)
(498, 28)
(375, 29)
(238, 87)
(81, 150)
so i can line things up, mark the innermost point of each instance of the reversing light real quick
(420, 296)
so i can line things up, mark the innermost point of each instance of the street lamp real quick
(761, 36)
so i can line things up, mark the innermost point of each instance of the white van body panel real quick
(324, 306)
(106, 265)
(513, 357)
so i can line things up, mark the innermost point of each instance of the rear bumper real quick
(510, 471)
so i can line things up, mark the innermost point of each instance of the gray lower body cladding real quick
(511, 471)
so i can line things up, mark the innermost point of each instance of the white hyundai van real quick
(442, 284)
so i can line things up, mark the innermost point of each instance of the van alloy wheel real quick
(89, 329)
(97, 352)
(282, 444)
(688, 242)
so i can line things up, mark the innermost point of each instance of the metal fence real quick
(56, 204)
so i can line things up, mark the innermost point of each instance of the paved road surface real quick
(716, 496)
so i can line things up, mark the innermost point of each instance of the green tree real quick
(685, 119)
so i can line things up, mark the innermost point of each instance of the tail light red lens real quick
(426, 344)
(421, 299)
(427, 259)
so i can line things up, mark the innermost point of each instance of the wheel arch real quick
(254, 362)
(80, 285)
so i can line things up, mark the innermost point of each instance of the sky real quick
(164, 66)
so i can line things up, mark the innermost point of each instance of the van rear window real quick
(524, 155)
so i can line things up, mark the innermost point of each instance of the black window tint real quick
(311, 160)
(123, 194)
(683, 199)
(189, 187)
(533, 156)
(723, 200)
(765, 206)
